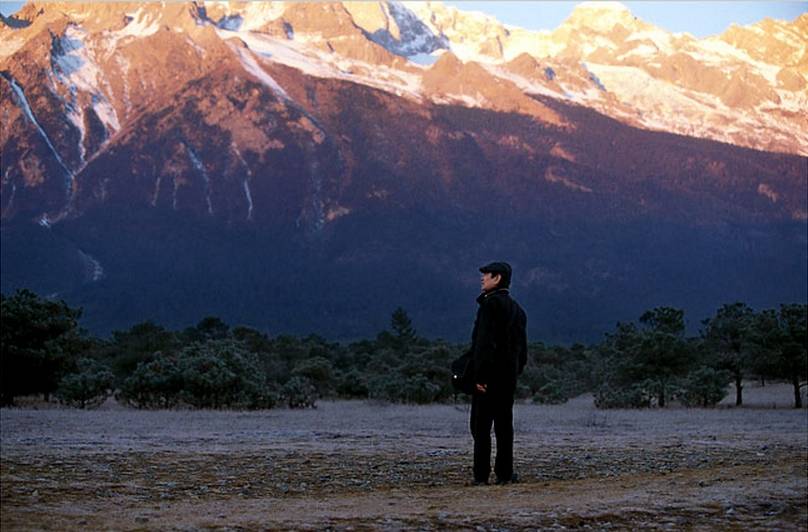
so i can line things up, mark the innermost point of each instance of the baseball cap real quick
(501, 268)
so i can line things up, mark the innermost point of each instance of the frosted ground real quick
(364, 466)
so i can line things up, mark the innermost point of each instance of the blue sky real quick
(698, 18)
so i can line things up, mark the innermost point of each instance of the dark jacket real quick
(499, 341)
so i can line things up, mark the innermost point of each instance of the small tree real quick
(88, 387)
(730, 334)
(783, 344)
(39, 340)
(614, 369)
(139, 344)
(208, 328)
(640, 365)
(403, 331)
(663, 353)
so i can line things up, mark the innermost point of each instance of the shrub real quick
(154, 384)
(639, 395)
(352, 384)
(418, 389)
(385, 387)
(704, 387)
(88, 387)
(220, 373)
(299, 393)
(551, 393)
(318, 371)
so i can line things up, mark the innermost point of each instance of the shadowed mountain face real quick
(219, 180)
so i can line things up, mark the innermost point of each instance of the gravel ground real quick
(364, 466)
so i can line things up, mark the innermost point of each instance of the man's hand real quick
(482, 388)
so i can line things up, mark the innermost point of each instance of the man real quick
(498, 356)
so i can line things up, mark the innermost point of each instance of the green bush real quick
(418, 389)
(704, 387)
(221, 374)
(352, 384)
(88, 387)
(551, 393)
(299, 392)
(154, 384)
(638, 395)
(318, 371)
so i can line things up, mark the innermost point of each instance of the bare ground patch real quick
(359, 466)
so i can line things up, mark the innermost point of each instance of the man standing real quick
(498, 356)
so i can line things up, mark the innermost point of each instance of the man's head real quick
(495, 275)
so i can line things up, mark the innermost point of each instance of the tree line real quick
(647, 363)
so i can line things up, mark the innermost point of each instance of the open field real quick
(362, 466)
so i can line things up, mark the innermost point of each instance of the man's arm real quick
(522, 340)
(485, 346)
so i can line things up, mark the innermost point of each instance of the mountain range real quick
(309, 167)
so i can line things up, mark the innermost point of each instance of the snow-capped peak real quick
(601, 16)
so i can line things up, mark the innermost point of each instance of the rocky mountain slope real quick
(268, 162)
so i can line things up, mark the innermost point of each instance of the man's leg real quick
(503, 428)
(482, 416)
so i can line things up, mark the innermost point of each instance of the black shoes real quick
(502, 481)
(499, 482)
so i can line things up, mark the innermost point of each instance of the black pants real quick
(497, 410)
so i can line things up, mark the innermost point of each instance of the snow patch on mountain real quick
(643, 50)
(767, 191)
(246, 182)
(124, 66)
(645, 91)
(22, 102)
(554, 175)
(467, 100)
(106, 113)
(524, 84)
(205, 177)
(141, 23)
(10, 201)
(93, 270)
(76, 116)
(252, 66)
(75, 67)
(310, 61)
(538, 44)
(72, 61)
(601, 16)
(246, 16)
(661, 40)
(597, 42)
(716, 52)
(248, 194)
(8, 47)
(791, 101)
(199, 50)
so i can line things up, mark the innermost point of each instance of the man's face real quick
(489, 281)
